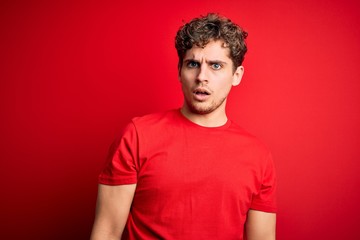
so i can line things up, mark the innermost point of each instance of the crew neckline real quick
(190, 123)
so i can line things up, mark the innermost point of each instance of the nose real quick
(202, 75)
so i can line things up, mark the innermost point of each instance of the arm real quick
(260, 225)
(112, 210)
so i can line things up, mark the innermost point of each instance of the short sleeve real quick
(265, 199)
(121, 162)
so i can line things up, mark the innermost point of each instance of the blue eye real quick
(192, 64)
(216, 66)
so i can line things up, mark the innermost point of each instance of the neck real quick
(216, 118)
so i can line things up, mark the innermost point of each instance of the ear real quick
(179, 71)
(179, 78)
(179, 75)
(239, 72)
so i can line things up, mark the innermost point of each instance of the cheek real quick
(185, 84)
(185, 79)
(222, 81)
(224, 84)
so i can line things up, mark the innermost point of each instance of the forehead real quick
(214, 50)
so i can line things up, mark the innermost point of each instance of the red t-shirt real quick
(193, 182)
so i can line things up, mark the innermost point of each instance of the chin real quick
(202, 110)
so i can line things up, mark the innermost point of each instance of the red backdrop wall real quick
(72, 74)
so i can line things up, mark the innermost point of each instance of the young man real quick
(191, 173)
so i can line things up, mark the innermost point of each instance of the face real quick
(207, 75)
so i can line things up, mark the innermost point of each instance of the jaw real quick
(203, 115)
(207, 106)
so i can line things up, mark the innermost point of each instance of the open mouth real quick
(201, 92)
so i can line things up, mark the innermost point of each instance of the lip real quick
(201, 94)
(202, 89)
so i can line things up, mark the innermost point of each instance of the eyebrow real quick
(210, 61)
(217, 61)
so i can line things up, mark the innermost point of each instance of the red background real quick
(72, 74)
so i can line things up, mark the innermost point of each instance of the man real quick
(191, 173)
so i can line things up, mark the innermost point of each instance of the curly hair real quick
(200, 31)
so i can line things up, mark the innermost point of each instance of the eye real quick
(192, 64)
(216, 66)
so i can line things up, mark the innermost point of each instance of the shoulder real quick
(253, 149)
(243, 137)
(156, 121)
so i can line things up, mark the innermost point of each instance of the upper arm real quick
(113, 207)
(260, 225)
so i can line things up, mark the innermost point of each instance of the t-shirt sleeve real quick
(265, 199)
(121, 167)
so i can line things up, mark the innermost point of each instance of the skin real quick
(209, 70)
(112, 211)
(260, 225)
